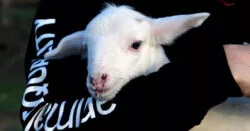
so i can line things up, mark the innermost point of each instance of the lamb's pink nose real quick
(99, 82)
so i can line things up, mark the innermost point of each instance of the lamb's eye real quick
(136, 45)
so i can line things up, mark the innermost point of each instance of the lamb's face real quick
(121, 44)
(115, 53)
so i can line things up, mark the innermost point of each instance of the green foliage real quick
(25, 18)
(13, 127)
(11, 98)
(11, 93)
(10, 103)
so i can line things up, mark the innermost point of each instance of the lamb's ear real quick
(73, 44)
(165, 30)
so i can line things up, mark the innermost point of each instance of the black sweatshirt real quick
(176, 98)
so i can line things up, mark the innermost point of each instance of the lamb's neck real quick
(157, 58)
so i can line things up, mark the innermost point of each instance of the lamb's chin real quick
(106, 96)
(111, 93)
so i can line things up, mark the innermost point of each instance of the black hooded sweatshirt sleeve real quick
(177, 97)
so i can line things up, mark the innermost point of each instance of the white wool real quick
(106, 43)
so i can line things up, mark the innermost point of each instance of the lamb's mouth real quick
(101, 94)
(101, 91)
(98, 92)
(105, 93)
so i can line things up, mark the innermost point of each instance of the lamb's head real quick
(121, 44)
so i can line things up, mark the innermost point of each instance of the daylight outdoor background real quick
(15, 22)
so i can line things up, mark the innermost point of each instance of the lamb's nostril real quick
(99, 82)
(104, 77)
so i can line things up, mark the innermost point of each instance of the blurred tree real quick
(5, 12)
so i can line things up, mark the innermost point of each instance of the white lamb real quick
(121, 43)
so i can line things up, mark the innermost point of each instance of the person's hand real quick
(238, 57)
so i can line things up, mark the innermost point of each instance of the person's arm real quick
(235, 30)
(36, 97)
(55, 97)
(238, 57)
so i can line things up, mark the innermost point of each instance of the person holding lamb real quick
(130, 65)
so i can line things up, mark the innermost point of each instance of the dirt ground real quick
(9, 122)
(232, 115)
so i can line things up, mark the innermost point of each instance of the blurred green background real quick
(16, 18)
